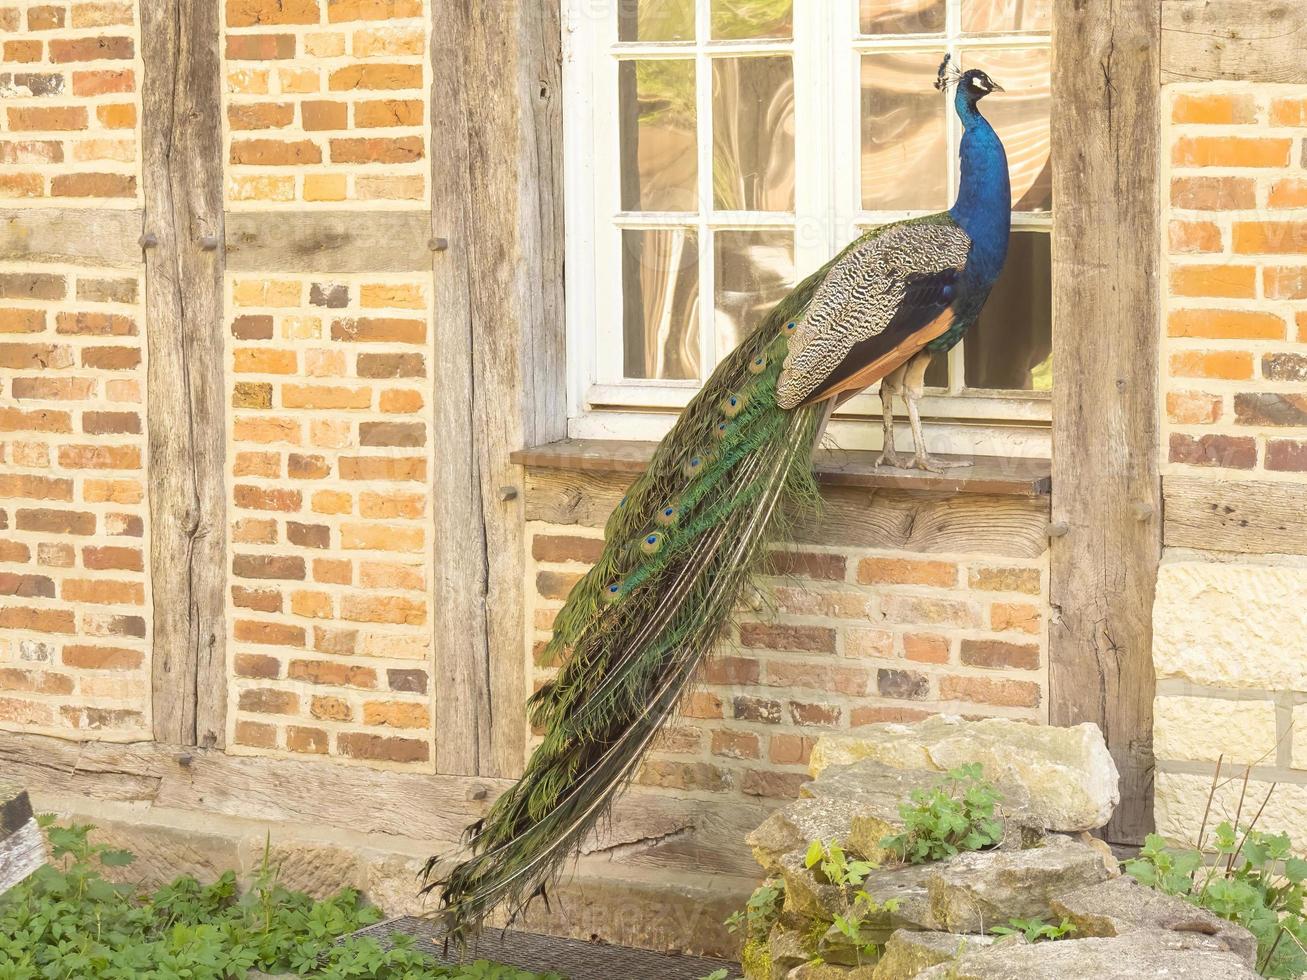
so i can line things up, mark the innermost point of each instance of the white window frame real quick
(827, 215)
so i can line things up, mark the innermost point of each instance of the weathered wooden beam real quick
(834, 468)
(1236, 40)
(692, 834)
(22, 845)
(337, 242)
(1105, 443)
(903, 520)
(181, 133)
(101, 237)
(497, 198)
(1247, 517)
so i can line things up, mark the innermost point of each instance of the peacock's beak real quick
(997, 87)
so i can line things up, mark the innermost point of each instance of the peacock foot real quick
(888, 457)
(924, 461)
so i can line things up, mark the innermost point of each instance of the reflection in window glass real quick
(660, 303)
(904, 162)
(1006, 16)
(755, 270)
(1021, 117)
(753, 134)
(655, 20)
(901, 16)
(732, 19)
(658, 144)
(1010, 348)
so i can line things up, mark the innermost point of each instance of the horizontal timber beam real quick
(851, 517)
(1234, 40)
(1247, 517)
(337, 242)
(101, 237)
(693, 834)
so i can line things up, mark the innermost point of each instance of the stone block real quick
(1205, 729)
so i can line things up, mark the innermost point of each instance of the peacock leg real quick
(889, 384)
(914, 384)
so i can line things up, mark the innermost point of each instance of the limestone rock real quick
(1141, 955)
(788, 947)
(1122, 905)
(830, 971)
(319, 870)
(976, 891)
(856, 805)
(1064, 777)
(164, 853)
(805, 895)
(908, 953)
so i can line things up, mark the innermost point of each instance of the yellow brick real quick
(324, 187)
(382, 537)
(247, 81)
(408, 296)
(246, 187)
(389, 41)
(301, 328)
(332, 502)
(123, 151)
(324, 45)
(329, 434)
(297, 80)
(409, 188)
(266, 292)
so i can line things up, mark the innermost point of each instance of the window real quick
(719, 150)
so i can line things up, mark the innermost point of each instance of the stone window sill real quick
(852, 468)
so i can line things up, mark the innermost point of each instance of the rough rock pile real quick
(1056, 785)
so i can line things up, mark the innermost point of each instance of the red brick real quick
(1231, 452)
(729, 670)
(53, 389)
(308, 740)
(268, 567)
(258, 13)
(318, 115)
(391, 366)
(55, 521)
(35, 681)
(382, 748)
(926, 648)
(45, 18)
(46, 118)
(266, 152)
(330, 708)
(265, 498)
(683, 776)
(999, 653)
(773, 785)
(375, 76)
(101, 658)
(563, 548)
(1230, 151)
(1286, 455)
(260, 47)
(39, 420)
(336, 674)
(253, 734)
(408, 468)
(273, 634)
(1214, 193)
(905, 684)
(113, 558)
(37, 620)
(1192, 407)
(260, 115)
(790, 750)
(111, 358)
(268, 701)
(380, 329)
(879, 715)
(1216, 109)
(251, 327)
(1218, 365)
(260, 600)
(1219, 281)
(1271, 408)
(407, 680)
(809, 639)
(100, 457)
(748, 708)
(92, 49)
(111, 423)
(997, 578)
(1194, 237)
(984, 690)
(26, 586)
(91, 83)
(22, 321)
(1270, 237)
(396, 714)
(398, 149)
(389, 112)
(819, 715)
(101, 591)
(1226, 325)
(35, 487)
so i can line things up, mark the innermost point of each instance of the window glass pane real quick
(1009, 348)
(1020, 115)
(904, 162)
(752, 18)
(1006, 16)
(655, 20)
(658, 144)
(660, 303)
(755, 269)
(753, 134)
(901, 16)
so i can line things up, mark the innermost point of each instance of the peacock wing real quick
(884, 299)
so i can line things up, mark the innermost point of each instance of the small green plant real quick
(1035, 930)
(959, 814)
(69, 921)
(760, 912)
(1242, 874)
(832, 864)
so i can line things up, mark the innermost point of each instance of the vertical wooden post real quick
(496, 184)
(181, 132)
(1106, 488)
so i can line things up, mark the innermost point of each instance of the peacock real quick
(720, 489)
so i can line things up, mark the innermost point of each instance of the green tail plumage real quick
(679, 550)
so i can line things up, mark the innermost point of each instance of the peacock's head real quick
(972, 85)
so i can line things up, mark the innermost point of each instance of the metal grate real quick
(573, 958)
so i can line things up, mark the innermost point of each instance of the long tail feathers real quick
(680, 549)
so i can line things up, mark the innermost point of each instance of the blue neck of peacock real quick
(984, 204)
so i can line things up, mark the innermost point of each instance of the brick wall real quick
(70, 90)
(1228, 628)
(840, 638)
(326, 101)
(74, 629)
(330, 445)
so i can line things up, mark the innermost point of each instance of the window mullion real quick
(703, 105)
